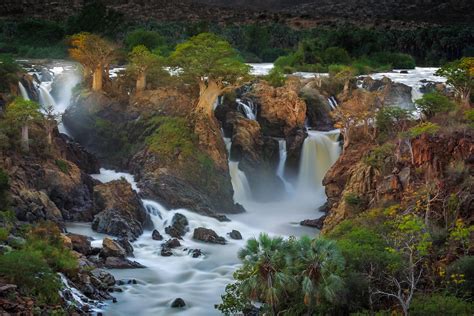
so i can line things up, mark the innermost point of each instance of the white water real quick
(24, 93)
(281, 165)
(248, 108)
(320, 152)
(240, 183)
(332, 102)
(412, 79)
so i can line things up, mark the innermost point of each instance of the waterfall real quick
(281, 164)
(332, 102)
(238, 178)
(45, 98)
(23, 91)
(248, 108)
(320, 152)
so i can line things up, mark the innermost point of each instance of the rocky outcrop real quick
(178, 227)
(391, 93)
(318, 108)
(208, 235)
(119, 210)
(281, 110)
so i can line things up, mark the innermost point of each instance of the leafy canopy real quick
(91, 50)
(21, 111)
(433, 103)
(459, 73)
(141, 59)
(207, 56)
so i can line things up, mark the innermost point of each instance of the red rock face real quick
(281, 109)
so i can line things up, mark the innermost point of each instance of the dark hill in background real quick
(299, 11)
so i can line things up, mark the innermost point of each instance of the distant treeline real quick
(256, 42)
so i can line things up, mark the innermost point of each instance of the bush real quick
(464, 267)
(397, 60)
(8, 72)
(440, 305)
(336, 55)
(276, 77)
(433, 103)
(4, 187)
(355, 202)
(62, 165)
(29, 270)
(149, 39)
(381, 157)
(469, 116)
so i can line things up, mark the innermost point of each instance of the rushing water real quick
(248, 108)
(24, 93)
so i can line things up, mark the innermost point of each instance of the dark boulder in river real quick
(120, 211)
(208, 235)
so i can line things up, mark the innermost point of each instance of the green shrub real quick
(397, 60)
(4, 232)
(432, 103)
(4, 187)
(62, 165)
(464, 268)
(469, 116)
(8, 72)
(336, 55)
(29, 270)
(276, 77)
(356, 202)
(150, 39)
(440, 305)
(423, 128)
(381, 157)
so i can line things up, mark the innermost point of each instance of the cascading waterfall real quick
(281, 164)
(248, 108)
(238, 178)
(332, 102)
(24, 93)
(320, 152)
(45, 97)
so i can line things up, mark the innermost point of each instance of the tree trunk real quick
(208, 96)
(97, 79)
(24, 138)
(141, 82)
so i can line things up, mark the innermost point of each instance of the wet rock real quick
(172, 243)
(15, 241)
(120, 211)
(81, 244)
(195, 253)
(155, 235)
(315, 223)
(125, 245)
(178, 303)
(178, 227)
(208, 235)
(318, 108)
(235, 234)
(166, 252)
(392, 93)
(120, 263)
(106, 279)
(111, 248)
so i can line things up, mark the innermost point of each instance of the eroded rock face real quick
(391, 93)
(119, 210)
(318, 108)
(281, 110)
(178, 227)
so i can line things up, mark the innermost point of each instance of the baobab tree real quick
(212, 64)
(460, 75)
(20, 113)
(141, 62)
(51, 120)
(94, 53)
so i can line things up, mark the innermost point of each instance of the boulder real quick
(235, 234)
(178, 227)
(391, 93)
(195, 253)
(125, 245)
(81, 244)
(104, 278)
(155, 235)
(178, 303)
(315, 223)
(111, 248)
(172, 243)
(208, 235)
(120, 211)
(120, 263)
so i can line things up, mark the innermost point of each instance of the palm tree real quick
(320, 263)
(263, 275)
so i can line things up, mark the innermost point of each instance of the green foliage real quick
(21, 111)
(171, 138)
(150, 39)
(40, 33)
(469, 117)
(208, 56)
(464, 268)
(29, 270)
(4, 232)
(276, 77)
(8, 72)
(439, 304)
(4, 187)
(460, 74)
(95, 17)
(396, 60)
(356, 202)
(381, 157)
(422, 128)
(391, 120)
(461, 234)
(432, 103)
(336, 55)
(143, 61)
(410, 234)
(290, 276)
(62, 165)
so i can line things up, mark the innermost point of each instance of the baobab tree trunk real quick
(97, 79)
(208, 94)
(141, 82)
(24, 138)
